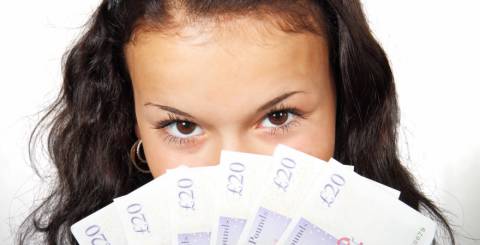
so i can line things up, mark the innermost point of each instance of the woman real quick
(152, 84)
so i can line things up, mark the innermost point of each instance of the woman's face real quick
(245, 87)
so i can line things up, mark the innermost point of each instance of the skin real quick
(221, 78)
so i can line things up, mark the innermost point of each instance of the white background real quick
(433, 46)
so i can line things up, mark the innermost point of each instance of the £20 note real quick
(145, 214)
(345, 208)
(238, 182)
(102, 227)
(285, 185)
(191, 200)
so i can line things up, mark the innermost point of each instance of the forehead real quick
(245, 55)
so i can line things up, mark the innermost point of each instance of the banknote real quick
(191, 200)
(375, 185)
(341, 208)
(287, 181)
(101, 227)
(289, 197)
(145, 215)
(237, 186)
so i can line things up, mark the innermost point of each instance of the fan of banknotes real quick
(289, 197)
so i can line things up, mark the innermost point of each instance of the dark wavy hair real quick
(91, 124)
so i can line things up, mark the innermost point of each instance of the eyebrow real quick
(277, 100)
(264, 107)
(170, 109)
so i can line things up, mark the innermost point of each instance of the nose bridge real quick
(238, 141)
(234, 141)
(230, 141)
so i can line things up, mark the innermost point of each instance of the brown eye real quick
(278, 118)
(185, 127)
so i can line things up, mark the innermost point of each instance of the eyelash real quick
(283, 108)
(173, 118)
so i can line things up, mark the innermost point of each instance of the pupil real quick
(278, 118)
(185, 127)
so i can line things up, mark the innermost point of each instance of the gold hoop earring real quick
(135, 154)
